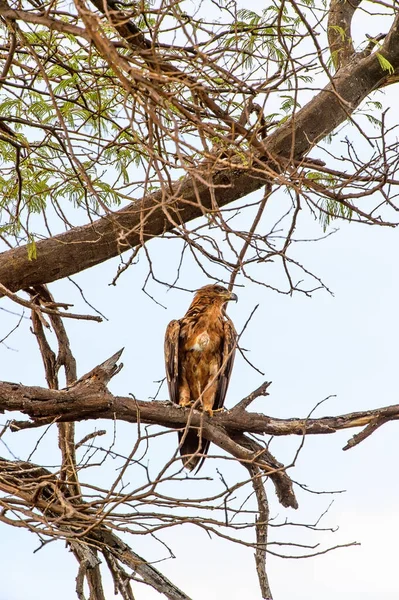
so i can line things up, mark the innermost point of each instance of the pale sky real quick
(310, 348)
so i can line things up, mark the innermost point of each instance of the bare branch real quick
(88, 399)
(245, 402)
(17, 478)
(262, 522)
(43, 309)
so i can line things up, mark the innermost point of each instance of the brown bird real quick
(199, 356)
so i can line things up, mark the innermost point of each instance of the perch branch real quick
(88, 398)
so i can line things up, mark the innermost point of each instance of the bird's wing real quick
(228, 353)
(171, 348)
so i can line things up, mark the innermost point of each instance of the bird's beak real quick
(233, 297)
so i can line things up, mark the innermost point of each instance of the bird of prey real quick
(199, 356)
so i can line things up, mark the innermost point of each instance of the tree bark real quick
(89, 401)
(83, 247)
(35, 486)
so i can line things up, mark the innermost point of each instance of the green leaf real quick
(32, 251)
(385, 64)
(374, 121)
(339, 30)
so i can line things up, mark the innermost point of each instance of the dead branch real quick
(52, 366)
(88, 569)
(374, 424)
(89, 399)
(89, 565)
(37, 307)
(245, 402)
(262, 522)
(278, 475)
(38, 488)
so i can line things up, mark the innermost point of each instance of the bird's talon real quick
(185, 404)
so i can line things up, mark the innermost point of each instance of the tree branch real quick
(340, 17)
(89, 398)
(49, 22)
(281, 481)
(260, 391)
(37, 307)
(38, 488)
(262, 522)
(156, 213)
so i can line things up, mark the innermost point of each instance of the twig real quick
(90, 436)
(326, 551)
(13, 329)
(41, 309)
(371, 427)
(245, 402)
(85, 299)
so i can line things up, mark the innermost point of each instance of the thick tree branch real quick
(89, 569)
(89, 398)
(340, 17)
(282, 483)
(39, 488)
(104, 537)
(390, 48)
(162, 211)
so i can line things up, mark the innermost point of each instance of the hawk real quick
(199, 356)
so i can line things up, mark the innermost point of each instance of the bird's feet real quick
(211, 411)
(184, 402)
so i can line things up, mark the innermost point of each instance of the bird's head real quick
(215, 294)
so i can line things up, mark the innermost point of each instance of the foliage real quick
(126, 122)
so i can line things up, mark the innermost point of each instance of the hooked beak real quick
(233, 297)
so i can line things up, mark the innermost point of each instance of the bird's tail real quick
(193, 450)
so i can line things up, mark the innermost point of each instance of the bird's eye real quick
(220, 289)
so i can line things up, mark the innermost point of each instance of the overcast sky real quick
(342, 345)
(309, 348)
